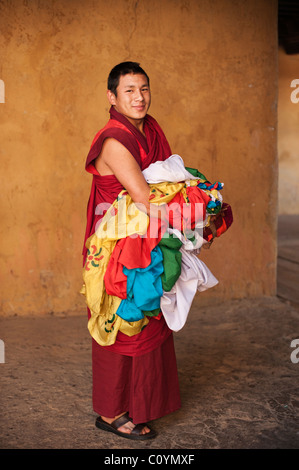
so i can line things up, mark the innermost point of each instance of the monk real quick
(135, 380)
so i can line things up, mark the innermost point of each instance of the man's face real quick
(133, 97)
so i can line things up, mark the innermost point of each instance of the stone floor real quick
(238, 376)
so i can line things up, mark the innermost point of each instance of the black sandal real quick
(117, 423)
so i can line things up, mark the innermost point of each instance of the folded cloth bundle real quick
(130, 275)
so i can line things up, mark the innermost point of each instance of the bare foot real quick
(128, 427)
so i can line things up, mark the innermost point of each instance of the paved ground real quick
(239, 385)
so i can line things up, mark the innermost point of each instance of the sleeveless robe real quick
(139, 373)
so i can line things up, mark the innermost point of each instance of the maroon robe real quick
(136, 373)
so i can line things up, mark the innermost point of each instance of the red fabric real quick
(152, 336)
(146, 150)
(145, 385)
(182, 216)
(222, 222)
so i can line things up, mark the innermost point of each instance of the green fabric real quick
(196, 173)
(151, 313)
(172, 259)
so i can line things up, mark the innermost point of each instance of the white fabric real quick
(195, 276)
(171, 170)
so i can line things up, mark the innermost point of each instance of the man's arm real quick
(117, 160)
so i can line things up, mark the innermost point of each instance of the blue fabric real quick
(217, 186)
(144, 288)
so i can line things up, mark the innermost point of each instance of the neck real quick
(138, 124)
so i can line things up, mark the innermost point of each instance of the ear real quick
(111, 97)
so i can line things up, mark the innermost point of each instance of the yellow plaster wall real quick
(213, 70)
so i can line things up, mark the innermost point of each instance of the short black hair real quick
(123, 69)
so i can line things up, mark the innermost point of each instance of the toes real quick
(128, 427)
(145, 430)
